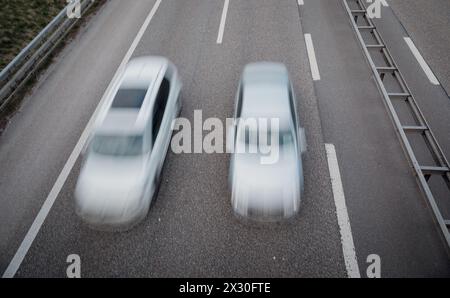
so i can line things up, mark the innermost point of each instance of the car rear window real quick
(129, 98)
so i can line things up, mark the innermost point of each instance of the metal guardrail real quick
(24, 65)
(421, 127)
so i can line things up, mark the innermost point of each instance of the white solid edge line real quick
(348, 247)
(421, 61)
(300, 2)
(223, 20)
(45, 209)
(312, 57)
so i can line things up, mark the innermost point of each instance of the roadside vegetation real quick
(21, 21)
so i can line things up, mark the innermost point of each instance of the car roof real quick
(266, 92)
(143, 73)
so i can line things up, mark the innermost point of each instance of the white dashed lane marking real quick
(348, 247)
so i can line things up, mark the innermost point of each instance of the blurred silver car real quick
(123, 159)
(271, 191)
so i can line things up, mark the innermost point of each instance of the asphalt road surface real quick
(190, 231)
(428, 24)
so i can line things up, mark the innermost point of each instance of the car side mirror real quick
(86, 145)
(302, 140)
(84, 150)
(230, 137)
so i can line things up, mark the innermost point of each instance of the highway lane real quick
(387, 212)
(432, 99)
(428, 24)
(42, 135)
(190, 231)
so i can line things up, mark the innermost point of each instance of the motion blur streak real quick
(50, 200)
(267, 191)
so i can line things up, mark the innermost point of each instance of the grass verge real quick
(42, 10)
(21, 21)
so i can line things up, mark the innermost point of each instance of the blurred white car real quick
(123, 159)
(271, 191)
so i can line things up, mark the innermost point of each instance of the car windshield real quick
(118, 145)
(256, 137)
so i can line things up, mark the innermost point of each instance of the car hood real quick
(249, 169)
(266, 188)
(113, 173)
(109, 187)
